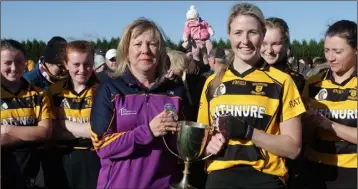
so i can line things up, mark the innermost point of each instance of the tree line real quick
(303, 48)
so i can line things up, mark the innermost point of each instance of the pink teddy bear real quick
(197, 33)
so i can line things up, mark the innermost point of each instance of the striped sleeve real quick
(203, 114)
(107, 141)
(53, 108)
(46, 108)
(292, 104)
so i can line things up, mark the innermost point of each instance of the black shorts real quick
(198, 175)
(82, 168)
(294, 167)
(321, 176)
(54, 174)
(242, 177)
(19, 169)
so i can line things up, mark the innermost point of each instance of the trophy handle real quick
(166, 145)
(212, 129)
(206, 157)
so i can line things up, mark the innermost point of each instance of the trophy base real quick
(182, 186)
(184, 183)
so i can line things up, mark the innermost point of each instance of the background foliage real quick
(310, 48)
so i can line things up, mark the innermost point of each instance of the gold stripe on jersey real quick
(337, 102)
(70, 106)
(26, 107)
(263, 96)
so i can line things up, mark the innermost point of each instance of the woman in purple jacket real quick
(128, 117)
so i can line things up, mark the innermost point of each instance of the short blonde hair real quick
(139, 25)
(179, 62)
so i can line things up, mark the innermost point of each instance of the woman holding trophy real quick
(128, 118)
(256, 109)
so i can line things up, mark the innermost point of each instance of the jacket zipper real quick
(146, 98)
(108, 176)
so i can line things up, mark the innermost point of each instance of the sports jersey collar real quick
(24, 84)
(261, 65)
(329, 76)
(92, 81)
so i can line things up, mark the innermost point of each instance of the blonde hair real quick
(133, 30)
(237, 10)
(278, 23)
(179, 62)
(246, 9)
(229, 55)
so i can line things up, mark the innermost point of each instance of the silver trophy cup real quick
(191, 141)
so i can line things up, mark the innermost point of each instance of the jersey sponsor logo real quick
(30, 101)
(170, 92)
(88, 102)
(338, 91)
(293, 103)
(258, 88)
(239, 110)
(64, 103)
(220, 90)
(26, 120)
(239, 82)
(4, 106)
(322, 94)
(339, 113)
(124, 112)
(77, 119)
(352, 94)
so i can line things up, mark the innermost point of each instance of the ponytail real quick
(214, 84)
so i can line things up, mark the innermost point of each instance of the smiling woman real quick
(72, 105)
(252, 105)
(275, 48)
(128, 116)
(25, 120)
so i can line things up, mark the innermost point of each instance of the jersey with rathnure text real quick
(70, 106)
(264, 97)
(337, 102)
(26, 107)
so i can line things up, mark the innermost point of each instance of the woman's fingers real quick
(167, 120)
(171, 126)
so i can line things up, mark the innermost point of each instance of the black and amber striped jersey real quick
(72, 106)
(263, 96)
(26, 107)
(338, 102)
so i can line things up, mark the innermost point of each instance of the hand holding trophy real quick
(191, 140)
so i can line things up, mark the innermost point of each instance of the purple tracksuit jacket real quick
(130, 156)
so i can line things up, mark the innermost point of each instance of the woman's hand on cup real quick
(216, 144)
(163, 123)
